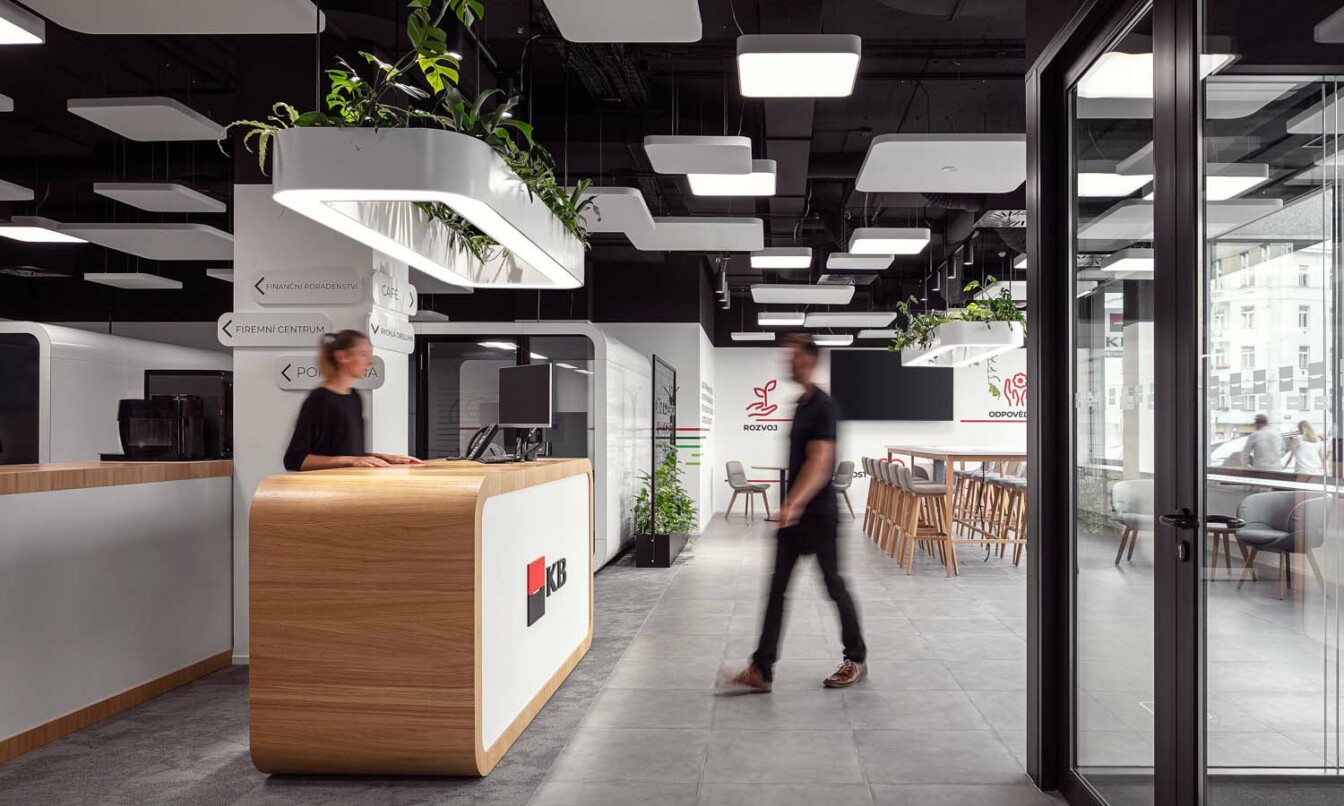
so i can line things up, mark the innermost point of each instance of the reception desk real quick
(413, 620)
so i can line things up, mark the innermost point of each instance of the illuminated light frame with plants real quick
(920, 325)
(419, 90)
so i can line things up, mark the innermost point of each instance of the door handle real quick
(1233, 524)
(1185, 519)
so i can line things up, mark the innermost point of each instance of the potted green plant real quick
(662, 530)
(987, 326)
(375, 104)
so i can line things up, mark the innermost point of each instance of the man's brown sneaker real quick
(847, 675)
(748, 681)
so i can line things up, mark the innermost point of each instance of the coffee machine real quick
(164, 428)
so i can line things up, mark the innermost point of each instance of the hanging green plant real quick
(420, 90)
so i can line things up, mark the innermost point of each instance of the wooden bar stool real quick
(922, 521)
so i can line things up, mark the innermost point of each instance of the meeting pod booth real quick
(602, 405)
(1187, 328)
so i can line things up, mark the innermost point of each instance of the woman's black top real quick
(330, 424)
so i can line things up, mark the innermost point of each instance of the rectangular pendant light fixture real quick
(1020, 262)
(889, 240)
(1130, 75)
(845, 261)
(35, 229)
(1098, 179)
(885, 333)
(760, 182)
(833, 341)
(782, 257)
(220, 274)
(781, 318)
(159, 197)
(698, 154)
(849, 319)
(753, 335)
(12, 192)
(800, 294)
(146, 119)
(1129, 261)
(133, 281)
(797, 65)
(6, 103)
(20, 27)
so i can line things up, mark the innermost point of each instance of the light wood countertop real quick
(50, 477)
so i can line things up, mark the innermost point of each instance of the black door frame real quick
(1178, 774)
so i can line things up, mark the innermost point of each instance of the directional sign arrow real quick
(225, 328)
(285, 372)
(257, 285)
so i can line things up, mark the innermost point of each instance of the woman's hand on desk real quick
(367, 461)
(398, 459)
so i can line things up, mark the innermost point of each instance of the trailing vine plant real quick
(983, 307)
(420, 90)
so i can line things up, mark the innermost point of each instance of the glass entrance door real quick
(1115, 344)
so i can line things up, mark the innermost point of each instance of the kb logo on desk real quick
(542, 581)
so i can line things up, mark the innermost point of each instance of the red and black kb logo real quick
(542, 581)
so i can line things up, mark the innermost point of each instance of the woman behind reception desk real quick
(330, 430)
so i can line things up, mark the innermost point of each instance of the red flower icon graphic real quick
(1015, 389)
(763, 407)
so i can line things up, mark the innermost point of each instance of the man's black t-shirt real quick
(330, 424)
(814, 419)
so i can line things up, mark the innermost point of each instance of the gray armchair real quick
(1133, 504)
(842, 481)
(1283, 523)
(737, 479)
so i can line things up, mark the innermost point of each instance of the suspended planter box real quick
(957, 344)
(365, 183)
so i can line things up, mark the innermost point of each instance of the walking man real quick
(808, 522)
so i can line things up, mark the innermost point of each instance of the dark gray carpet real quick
(190, 746)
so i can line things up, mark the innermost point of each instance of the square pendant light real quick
(701, 234)
(797, 65)
(147, 119)
(220, 274)
(12, 192)
(753, 335)
(159, 197)
(760, 182)
(800, 294)
(1130, 75)
(781, 318)
(940, 162)
(849, 319)
(20, 27)
(698, 154)
(35, 229)
(1129, 261)
(833, 341)
(1020, 262)
(6, 103)
(882, 333)
(889, 240)
(844, 261)
(782, 257)
(133, 281)
(1228, 180)
(1102, 179)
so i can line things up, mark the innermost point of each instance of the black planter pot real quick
(658, 551)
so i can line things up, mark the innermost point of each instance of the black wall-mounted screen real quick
(872, 385)
(525, 396)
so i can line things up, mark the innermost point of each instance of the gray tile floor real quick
(941, 720)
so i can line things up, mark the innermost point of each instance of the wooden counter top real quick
(382, 598)
(45, 478)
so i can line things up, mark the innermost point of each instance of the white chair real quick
(843, 479)
(737, 479)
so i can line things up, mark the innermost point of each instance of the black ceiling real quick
(928, 65)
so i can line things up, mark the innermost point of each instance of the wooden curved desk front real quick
(413, 620)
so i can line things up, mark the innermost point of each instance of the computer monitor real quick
(525, 395)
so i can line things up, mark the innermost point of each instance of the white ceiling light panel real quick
(1132, 219)
(944, 163)
(1331, 29)
(11, 192)
(1129, 262)
(19, 27)
(789, 294)
(887, 333)
(35, 229)
(781, 318)
(752, 335)
(797, 65)
(1020, 262)
(690, 234)
(618, 209)
(154, 241)
(698, 154)
(829, 340)
(782, 257)
(143, 17)
(1130, 75)
(849, 319)
(627, 20)
(844, 261)
(147, 119)
(1227, 180)
(6, 103)
(133, 281)
(220, 274)
(156, 197)
(1102, 179)
(889, 240)
(760, 182)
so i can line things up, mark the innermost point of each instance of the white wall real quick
(267, 237)
(198, 335)
(740, 370)
(685, 346)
